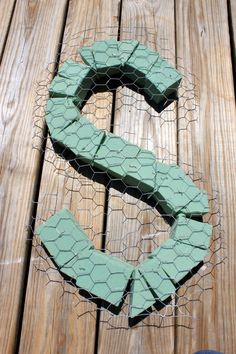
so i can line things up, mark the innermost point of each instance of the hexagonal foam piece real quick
(178, 259)
(141, 297)
(72, 69)
(60, 113)
(84, 76)
(198, 205)
(111, 154)
(145, 67)
(126, 161)
(86, 54)
(158, 281)
(161, 81)
(191, 232)
(116, 53)
(139, 64)
(100, 274)
(63, 87)
(175, 191)
(106, 57)
(82, 138)
(126, 49)
(63, 237)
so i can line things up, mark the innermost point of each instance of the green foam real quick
(141, 297)
(175, 191)
(112, 153)
(61, 112)
(161, 81)
(126, 161)
(139, 64)
(72, 69)
(63, 87)
(156, 278)
(82, 74)
(197, 205)
(126, 49)
(82, 138)
(100, 275)
(178, 259)
(87, 56)
(63, 237)
(94, 271)
(191, 232)
(140, 172)
(106, 57)
(169, 185)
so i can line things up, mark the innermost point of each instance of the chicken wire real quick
(120, 220)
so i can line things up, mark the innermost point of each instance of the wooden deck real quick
(35, 318)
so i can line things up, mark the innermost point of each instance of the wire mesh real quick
(120, 220)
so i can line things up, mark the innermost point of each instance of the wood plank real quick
(58, 317)
(6, 11)
(133, 227)
(203, 43)
(232, 28)
(22, 64)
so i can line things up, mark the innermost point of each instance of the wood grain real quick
(130, 221)
(203, 43)
(6, 11)
(232, 28)
(51, 320)
(56, 307)
(22, 63)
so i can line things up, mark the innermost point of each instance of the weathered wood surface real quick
(55, 303)
(203, 43)
(199, 30)
(129, 220)
(232, 28)
(6, 12)
(21, 66)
